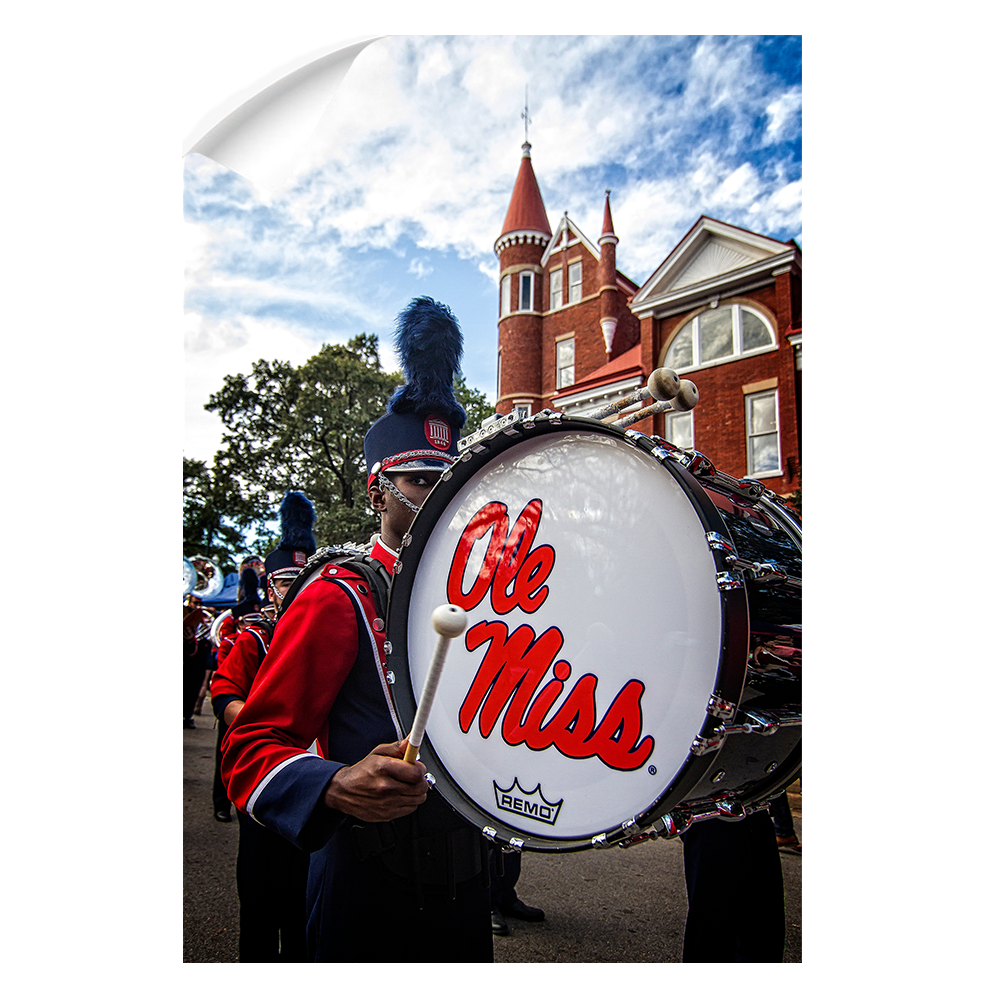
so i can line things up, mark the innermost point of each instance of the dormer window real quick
(717, 335)
(555, 289)
(576, 281)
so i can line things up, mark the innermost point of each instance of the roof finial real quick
(527, 120)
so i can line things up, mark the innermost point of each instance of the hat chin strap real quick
(396, 492)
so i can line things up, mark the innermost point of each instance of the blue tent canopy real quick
(226, 597)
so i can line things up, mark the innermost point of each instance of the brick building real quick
(724, 310)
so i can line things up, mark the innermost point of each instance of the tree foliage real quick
(303, 428)
(206, 532)
(477, 408)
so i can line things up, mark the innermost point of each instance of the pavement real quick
(600, 906)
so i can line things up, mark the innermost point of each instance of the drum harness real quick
(432, 846)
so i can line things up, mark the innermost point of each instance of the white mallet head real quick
(663, 384)
(449, 620)
(687, 397)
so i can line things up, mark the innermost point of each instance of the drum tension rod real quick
(755, 721)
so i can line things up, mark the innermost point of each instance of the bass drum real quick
(600, 683)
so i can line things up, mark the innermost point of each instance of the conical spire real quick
(608, 229)
(526, 212)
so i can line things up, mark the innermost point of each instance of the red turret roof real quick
(526, 210)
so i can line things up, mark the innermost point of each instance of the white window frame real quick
(747, 405)
(679, 418)
(560, 383)
(523, 410)
(737, 337)
(521, 275)
(505, 295)
(555, 289)
(576, 286)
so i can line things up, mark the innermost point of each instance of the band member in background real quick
(270, 872)
(231, 625)
(197, 654)
(228, 630)
(505, 870)
(395, 873)
(251, 581)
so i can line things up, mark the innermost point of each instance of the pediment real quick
(716, 257)
(566, 236)
(710, 251)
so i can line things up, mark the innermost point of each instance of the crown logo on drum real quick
(531, 804)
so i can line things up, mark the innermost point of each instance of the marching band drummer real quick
(395, 873)
(270, 872)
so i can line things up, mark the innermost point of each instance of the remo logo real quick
(508, 681)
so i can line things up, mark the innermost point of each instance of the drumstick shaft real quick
(426, 699)
(637, 396)
(632, 418)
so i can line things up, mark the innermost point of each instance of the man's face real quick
(396, 516)
(277, 588)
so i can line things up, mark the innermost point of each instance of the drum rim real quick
(734, 630)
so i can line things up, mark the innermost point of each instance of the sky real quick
(404, 186)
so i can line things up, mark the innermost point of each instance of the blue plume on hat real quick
(429, 343)
(297, 516)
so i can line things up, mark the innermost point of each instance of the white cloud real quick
(215, 349)
(420, 267)
(783, 114)
(422, 144)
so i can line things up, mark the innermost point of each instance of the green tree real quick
(303, 428)
(206, 532)
(477, 408)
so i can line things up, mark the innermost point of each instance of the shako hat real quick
(420, 429)
(297, 543)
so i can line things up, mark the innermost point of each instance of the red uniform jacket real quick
(323, 679)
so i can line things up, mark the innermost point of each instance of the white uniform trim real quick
(252, 801)
(375, 655)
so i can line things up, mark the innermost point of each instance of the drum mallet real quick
(686, 399)
(662, 384)
(449, 622)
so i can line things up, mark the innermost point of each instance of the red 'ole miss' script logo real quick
(509, 678)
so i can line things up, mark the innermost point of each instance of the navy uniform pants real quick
(271, 881)
(736, 893)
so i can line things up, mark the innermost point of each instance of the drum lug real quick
(617, 838)
(719, 542)
(698, 464)
(730, 808)
(721, 708)
(702, 745)
(727, 581)
(514, 845)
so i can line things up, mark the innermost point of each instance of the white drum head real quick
(628, 631)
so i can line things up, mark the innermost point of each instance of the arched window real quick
(717, 335)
